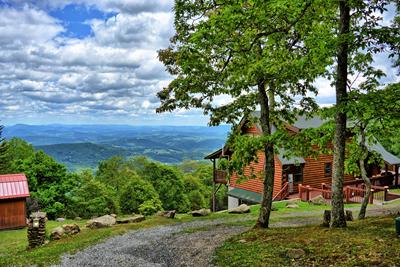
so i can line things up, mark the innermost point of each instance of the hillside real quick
(83, 146)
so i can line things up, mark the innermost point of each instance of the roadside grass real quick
(13, 243)
(396, 191)
(369, 242)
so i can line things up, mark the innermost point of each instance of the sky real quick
(94, 62)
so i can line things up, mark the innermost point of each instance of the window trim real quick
(330, 169)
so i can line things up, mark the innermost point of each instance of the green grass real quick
(370, 242)
(396, 191)
(13, 243)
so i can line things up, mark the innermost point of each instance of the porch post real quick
(396, 176)
(213, 194)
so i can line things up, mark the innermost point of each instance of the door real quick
(290, 182)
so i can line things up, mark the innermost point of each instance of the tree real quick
(114, 172)
(137, 192)
(4, 154)
(255, 53)
(359, 30)
(371, 113)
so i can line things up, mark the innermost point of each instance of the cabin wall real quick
(256, 185)
(12, 213)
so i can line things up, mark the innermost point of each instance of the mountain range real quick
(83, 146)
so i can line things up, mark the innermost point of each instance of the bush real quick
(149, 207)
(136, 192)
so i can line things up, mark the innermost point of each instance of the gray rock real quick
(240, 209)
(113, 215)
(295, 253)
(57, 233)
(71, 229)
(292, 206)
(60, 219)
(318, 200)
(133, 219)
(201, 212)
(78, 218)
(100, 222)
(167, 213)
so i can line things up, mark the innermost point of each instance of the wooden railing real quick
(220, 177)
(283, 193)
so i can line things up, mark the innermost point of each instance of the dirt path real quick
(185, 244)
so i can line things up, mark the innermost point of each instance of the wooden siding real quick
(12, 213)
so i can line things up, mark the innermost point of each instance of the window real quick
(328, 169)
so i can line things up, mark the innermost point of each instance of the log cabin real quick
(289, 172)
(13, 193)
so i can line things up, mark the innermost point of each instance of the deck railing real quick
(283, 193)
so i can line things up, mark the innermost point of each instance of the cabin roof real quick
(245, 194)
(13, 186)
(386, 155)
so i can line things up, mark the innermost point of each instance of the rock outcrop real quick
(133, 219)
(101, 222)
(201, 212)
(240, 209)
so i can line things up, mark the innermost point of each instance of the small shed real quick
(13, 193)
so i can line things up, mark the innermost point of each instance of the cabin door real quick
(290, 182)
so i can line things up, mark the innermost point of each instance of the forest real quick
(118, 185)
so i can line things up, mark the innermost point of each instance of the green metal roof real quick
(245, 194)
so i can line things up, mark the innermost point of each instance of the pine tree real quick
(4, 157)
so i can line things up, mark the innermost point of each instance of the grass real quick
(396, 191)
(13, 243)
(369, 242)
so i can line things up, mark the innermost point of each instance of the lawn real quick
(13, 243)
(396, 191)
(369, 242)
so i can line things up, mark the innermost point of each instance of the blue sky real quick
(93, 61)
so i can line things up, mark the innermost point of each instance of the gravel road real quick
(185, 244)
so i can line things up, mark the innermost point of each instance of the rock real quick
(113, 215)
(60, 219)
(318, 200)
(201, 212)
(240, 209)
(100, 222)
(57, 233)
(71, 229)
(295, 253)
(242, 241)
(133, 219)
(167, 213)
(292, 206)
(78, 218)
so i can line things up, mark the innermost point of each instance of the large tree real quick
(254, 53)
(4, 155)
(361, 34)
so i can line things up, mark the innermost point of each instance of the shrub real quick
(135, 193)
(149, 207)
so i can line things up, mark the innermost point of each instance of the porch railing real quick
(283, 193)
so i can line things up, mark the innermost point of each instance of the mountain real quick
(83, 146)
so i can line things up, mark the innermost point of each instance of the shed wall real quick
(12, 213)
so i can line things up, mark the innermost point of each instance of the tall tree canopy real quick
(254, 54)
(4, 155)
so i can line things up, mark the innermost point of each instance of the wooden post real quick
(327, 218)
(349, 215)
(214, 178)
(385, 193)
(347, 194)
(396, 176)
(300, 192)
(308, 193)
(323, 185)
(371, 197)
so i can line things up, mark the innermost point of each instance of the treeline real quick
(134, 185)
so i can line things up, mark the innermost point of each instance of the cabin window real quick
(328, 169)
(298, 174)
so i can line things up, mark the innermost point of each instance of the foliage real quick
(114, 172)
(149, 207)
(4, 154)
(92, 197)
(137, 192)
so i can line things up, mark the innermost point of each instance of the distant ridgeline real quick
(83, 146)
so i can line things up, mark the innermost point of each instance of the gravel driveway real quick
(185, 244)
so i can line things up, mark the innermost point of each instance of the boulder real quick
(295, 253)
(318, 200)
(201, 212)
(113, 215)
(78, 218)
(167, 213)
(100, 222)
(60, 219)
(292, 206)
(57, 233)
(133, 219)
(71, 229)
(240, 209)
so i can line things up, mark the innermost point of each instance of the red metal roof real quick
(13, 186)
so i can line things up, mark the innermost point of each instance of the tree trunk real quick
(367, 181)
(339, 142)
(269, 168)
